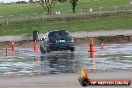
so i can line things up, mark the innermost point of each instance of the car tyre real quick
(42, 49)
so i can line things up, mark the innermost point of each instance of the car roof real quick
(57, 30)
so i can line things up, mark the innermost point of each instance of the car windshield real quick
(58, 34)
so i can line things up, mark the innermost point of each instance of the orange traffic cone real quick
(13, 47)
(92, 46)
(6, 49)
(35, 42)
(36, 46)
(92, 50)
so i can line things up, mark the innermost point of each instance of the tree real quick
(74, 4)
(47, 5)
(30, 1)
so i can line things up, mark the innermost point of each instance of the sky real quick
(8, 1)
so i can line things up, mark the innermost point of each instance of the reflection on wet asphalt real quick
(63, 63)
(26, 62)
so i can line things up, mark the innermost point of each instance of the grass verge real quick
(87, 23)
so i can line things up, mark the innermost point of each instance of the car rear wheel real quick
(42, 49)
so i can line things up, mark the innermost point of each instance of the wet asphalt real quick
(26, 62)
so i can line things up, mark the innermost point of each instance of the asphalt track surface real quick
(62, 80)
(70, 80)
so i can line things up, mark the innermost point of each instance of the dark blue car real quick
(57, 40)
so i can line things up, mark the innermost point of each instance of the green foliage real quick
(47, 5)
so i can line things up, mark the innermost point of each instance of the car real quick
(57, 40)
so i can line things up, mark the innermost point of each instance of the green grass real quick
(92, 23)
(103, 3)
(18, 9)
(86, 23)
(29, 9)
